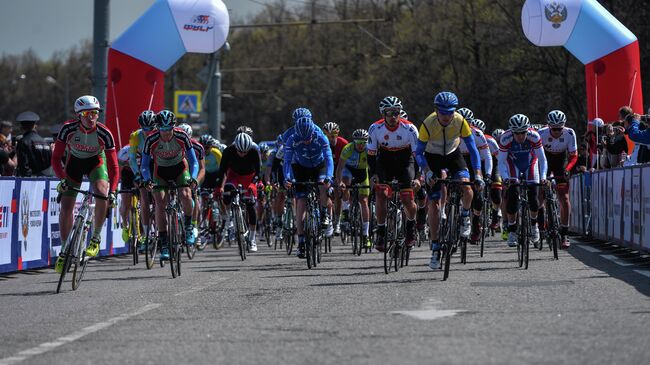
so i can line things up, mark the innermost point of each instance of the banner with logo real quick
(6, 221)
(30, 217)
(53, 210)
(202, 24)
(645, 211)
(117, 244)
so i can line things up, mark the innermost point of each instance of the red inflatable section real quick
(611, 81)
(137, 84)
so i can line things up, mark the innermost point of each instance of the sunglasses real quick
(360, 141)
(443, 112)
(87, 113)
(557, 129)
(165, 129)
(391, 113)
(520, 133)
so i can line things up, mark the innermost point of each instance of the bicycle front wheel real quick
(150, 248)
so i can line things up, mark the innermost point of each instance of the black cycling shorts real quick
(306, 174)
(127, 177)
(400, 169)
(454, 163)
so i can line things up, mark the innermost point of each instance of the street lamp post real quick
(214, 93)
(65, 89)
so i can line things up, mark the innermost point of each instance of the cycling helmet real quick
(304, 128)
(360, 134)
(556, 118)
(221, 146)
(391, 102)
(518, 123)
(243, 142)
(147, 119)
(206, 140)
(264, 148)
(467, 114)
(165, 120)
(497, 133)
(446, 102)
(186, 128)
(86, 102)
(299, 113)
(537, 126)
(403, 115)
(479, 124)
(280, 140)
(123, 153)
(245, 129)
(331, 127)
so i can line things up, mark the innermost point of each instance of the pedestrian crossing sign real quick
(186, 102)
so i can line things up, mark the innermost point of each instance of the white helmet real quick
(186, 128)
(331, 127)
(86, 102)
(123, 154)
(556, 118)
(479, 124)
(243, 142)
(497, 133)
(519, 123)
(390, 102)
(466, 113)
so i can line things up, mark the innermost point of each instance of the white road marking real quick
(645, 273)
(616, 260)
(430, 312)
(49, 346)
(590, 249)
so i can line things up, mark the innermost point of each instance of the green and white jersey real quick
(167, 153)
(83, 143)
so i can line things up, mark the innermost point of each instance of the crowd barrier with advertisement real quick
(617, 202)
(29, 224)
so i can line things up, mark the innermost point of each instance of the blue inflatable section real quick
(153, 38)
(597, 33)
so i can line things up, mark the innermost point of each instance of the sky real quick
(47, 26)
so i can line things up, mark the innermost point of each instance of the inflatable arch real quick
(609, 51)
(138, 59)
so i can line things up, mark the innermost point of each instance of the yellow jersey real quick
(443, 140)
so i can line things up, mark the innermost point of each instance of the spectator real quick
(583, 159)
(7, 157)
(615, 151)
(34, 153)
(5, 129)
(593, 139)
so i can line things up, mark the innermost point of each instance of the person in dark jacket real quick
(32, 149)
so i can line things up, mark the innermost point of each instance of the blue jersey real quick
(309, 155)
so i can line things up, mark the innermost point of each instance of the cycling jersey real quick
(243, 166)
(492, 144)
(483, 149)
(168, 154)
(557, 149)
(93, 148)
(308, 154)
(437, 139)
(212, 160)
(527, 157)
(353, 158)
(136, 144)
(198, 150)
(123, 158)
(337, 148)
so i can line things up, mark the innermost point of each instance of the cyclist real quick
(438, 149)
(495, 188)
(391, 146)
(521, 152)
(211, 162)
(276, 177)
(168, 156)
(90, 150)
(199, 152)
(263, 186)
(561, 152)
(307, 157)
(240, 165)
(147, 121)
(337, 143)
(353, 169)
(126, 178)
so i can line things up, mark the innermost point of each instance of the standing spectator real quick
(593, 139)
(637, 133)
(5, 129)
(34, 153)
(7, 157)
(615, 151)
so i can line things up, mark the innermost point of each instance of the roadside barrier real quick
(29, 224)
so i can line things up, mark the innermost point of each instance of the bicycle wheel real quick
(150, 247)
(267, 226)
(446, 259)
(308, 247)
(239, 234)
(80, 260)
(555, 243)
(526, 248)
(463, 251)
(317, 250)
(66, 265)
(172, 243)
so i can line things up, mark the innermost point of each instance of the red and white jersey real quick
(382, 138)
(566, 143)
(492, 143)
(483, 149)
(527, 157)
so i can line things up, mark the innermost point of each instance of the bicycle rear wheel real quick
(446, 260)
(463, 251)
(150, 247)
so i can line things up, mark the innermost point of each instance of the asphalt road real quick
(592, 306)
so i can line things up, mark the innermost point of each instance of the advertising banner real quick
(116, 223)
(645, 212)
(633, 230)
(31, 218)
(53, 209)
(6, 220)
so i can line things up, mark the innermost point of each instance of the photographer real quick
(615, 147)
(637, 133)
